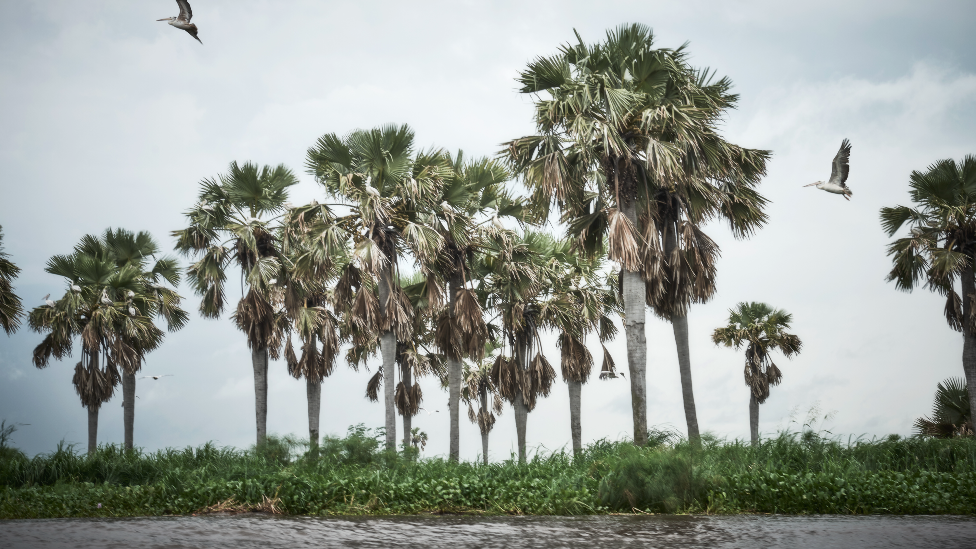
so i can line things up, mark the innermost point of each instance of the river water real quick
(244, 531)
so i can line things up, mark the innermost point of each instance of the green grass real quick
(793, 473)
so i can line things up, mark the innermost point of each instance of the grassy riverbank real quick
(793, 473)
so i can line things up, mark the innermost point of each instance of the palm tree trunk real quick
(634, 317)
(388, 346)
(484, 434)
(92, 429)
(454, 379)
(521, 418)
(407, 418)
(969, 336)
(314, 392)
(753, 418)
(680, 325)
(259, 361)
(128, 406)
(575, 390)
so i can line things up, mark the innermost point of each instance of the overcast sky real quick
(110, 118)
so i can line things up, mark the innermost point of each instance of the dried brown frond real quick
(349, 283)
(447, 336)
(373, 386)
(953, 311)
(622, 241)
(256, 318)
(472, 417)
(399, 314)
(292, 360)
(365, 311)
(575, 359)
(486, 421)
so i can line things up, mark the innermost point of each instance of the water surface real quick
(245, 531)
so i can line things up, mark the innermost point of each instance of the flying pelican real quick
(183, 20)
(156, 377)
(48, 301)
(428, 411)
(838, 172)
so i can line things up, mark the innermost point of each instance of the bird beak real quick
(167, 19)
(810, 185)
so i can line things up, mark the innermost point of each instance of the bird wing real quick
(841, 166)
(185, 12)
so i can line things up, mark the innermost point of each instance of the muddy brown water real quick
(244, 531)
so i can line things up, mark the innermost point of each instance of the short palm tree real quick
(762, 330)
(517, 273)
(231, 225)
(582, 301)
(138, 251)
(628, 148)
(109, 308)
(388, 187)
(11, 308)
(951, 412)
(478, 388)
(941, 246)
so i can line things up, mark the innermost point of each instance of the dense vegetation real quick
(792, 473)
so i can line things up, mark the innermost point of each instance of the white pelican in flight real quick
(183, 20)
(838, 172)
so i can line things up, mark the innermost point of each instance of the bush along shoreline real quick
(794, 473)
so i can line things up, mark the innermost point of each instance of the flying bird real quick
(48, 301)
(156, 377)
(838, 173)
(428, 411)
(183, 20)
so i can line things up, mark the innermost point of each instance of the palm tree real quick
(517, 274)
(628, 148)
(376, 174)
(10, 306)
(478, 388)
(941, 246)
(764, 330)
(128, 249)
(951, 412)
(581, 302)
(109, 309)
(472, 202)
(227, 227)
(316, 252)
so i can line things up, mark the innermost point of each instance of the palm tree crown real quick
(11, 308)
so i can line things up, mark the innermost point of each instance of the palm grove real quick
(435, 264)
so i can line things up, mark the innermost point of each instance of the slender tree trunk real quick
(680, 325)
(484, 434)
(634, 317)
(314, 393)
(753, 418)
(454, 380)
(388, 346)
(969, 338)
(521, 418)
(92, 429)
(128, 406)
(575, 390)
(407, 418)
(259, 361)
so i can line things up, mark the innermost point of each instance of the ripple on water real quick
(245, 531)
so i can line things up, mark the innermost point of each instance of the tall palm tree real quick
(941, 246)
(388, 187)
(628, 148)
(11, 308)
(517, 273)
(581, 302)
(762, 329)
(109, 309)
(231, 225)
(472, 203)
(478, 388)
